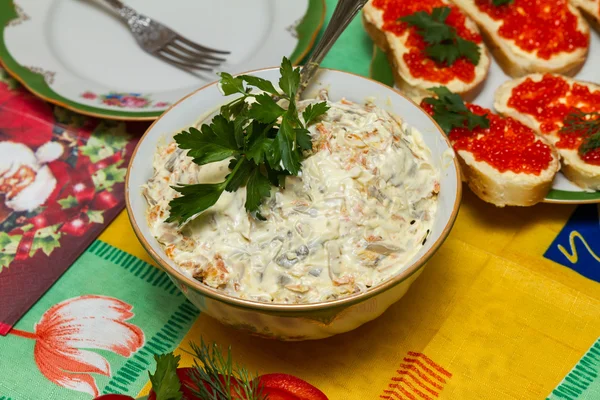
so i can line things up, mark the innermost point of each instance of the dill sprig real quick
(585, 124)
(217, 377)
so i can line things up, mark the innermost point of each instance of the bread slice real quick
(591, 10)
(504, 187)
(578, 171)
(396, 48)
(517, 61)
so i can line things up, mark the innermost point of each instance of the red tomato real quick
(275, 386)
(279, 394)
(114, 397)
(289, 384)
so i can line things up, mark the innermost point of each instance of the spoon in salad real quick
(344, 13)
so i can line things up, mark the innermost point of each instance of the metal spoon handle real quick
(344, 13)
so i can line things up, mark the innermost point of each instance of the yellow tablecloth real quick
(498, 319)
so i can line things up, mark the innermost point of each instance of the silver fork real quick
(166, 44)
(344, 13)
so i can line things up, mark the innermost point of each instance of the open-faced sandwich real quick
(591, 9)
(566, 112)
(528, 36)
(428, 43)
(503, 161)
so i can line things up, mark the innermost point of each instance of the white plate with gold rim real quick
(78, 54)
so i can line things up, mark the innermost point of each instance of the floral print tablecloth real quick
(61, 182)
(95, 331)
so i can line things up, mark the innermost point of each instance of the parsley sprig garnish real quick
(450, 111)
(444, 45)
(498, 3)
(585, 124)
(264, 140)
(214, 376)
(165, 382)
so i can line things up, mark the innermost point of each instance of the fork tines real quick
(184, 53)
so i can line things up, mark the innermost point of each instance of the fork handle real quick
(116, 4)
(124, 11)
(344, 13)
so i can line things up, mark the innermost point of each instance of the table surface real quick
(505, 309)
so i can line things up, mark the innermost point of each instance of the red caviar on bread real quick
(566, 112)
(414, 70)
(528, 36)
(503, 161)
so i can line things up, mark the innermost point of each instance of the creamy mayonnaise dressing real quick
(356, 215)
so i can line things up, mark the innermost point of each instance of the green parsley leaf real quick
(260, 83)
(452, 99)
(216, 142)
(303, 138)
(267, 110)
(292, 113)
(285, 144)
(263, 141)
(233, 109)
(450, 112)
(290, 78)
(259, 149)
(443, 53)
(239, 175)
(196, 198)
(444, 45)
(238, 130)
(468, 49)
(501, 2)
(277, 178)
(256, 130)
(436, 30)
(257, 189)
(274, 156)
(231, 85)
(312, 112)
(165, 382)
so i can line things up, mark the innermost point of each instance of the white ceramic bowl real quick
(297, 321)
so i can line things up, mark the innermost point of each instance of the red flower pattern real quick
(67, 331)
(89, 95)
(124, 100)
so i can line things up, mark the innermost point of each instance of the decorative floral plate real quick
(563, 191)
(78, 54)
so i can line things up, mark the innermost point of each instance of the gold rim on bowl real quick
(278, 307)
